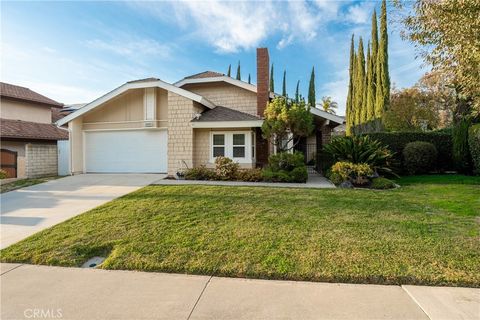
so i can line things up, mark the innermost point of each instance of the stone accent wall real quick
(227, 95)
(41, 160)
(180, 132)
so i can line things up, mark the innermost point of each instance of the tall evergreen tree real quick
(382, 93)
(359, 83)
(249, 80)
(297, 94)
(311, 89)
(284, 83)
(370, 108)
(272, 83)
(229, 71)
(239, 76)
(374, 51)
(349, 105)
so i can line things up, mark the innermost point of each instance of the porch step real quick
(311, 170)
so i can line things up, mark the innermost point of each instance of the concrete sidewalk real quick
(74, 293)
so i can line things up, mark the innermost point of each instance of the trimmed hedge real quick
(419, 157)
(474, 144)
(396, 142)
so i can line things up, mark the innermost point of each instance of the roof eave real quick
(227, 124)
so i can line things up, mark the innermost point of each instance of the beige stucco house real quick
(27, 135)
(149, 125)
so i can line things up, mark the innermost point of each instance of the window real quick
(239, 145)
(218, 145)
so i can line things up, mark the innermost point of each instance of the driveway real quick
(29, 210)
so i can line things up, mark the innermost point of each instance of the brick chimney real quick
(263, 82)
(263, 97)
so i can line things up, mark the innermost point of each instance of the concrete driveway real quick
(29, 210)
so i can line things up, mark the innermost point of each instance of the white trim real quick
(228, 146)
(122, 122)
(227, 124)
(326, 115)
(235, 82)
(125, 129)
(135, 85)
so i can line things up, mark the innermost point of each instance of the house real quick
(150, 125)
(28, 136)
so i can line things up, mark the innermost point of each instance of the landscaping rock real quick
(346, 185)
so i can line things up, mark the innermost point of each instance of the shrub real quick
(226, 168)
(357, 173)
(250, 175)
(474, 145)
(419, 157)
(286, 161)
(361, 149)
(461, 152)
(396, 142)
(286, 167)
(3, 174)
(200, 173)
(382, 183)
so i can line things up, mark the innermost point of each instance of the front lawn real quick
(426, 232)
(23, 183)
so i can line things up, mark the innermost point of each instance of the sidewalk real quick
(74, 293)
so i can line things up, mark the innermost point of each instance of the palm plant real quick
(361, 149)
(328, 105)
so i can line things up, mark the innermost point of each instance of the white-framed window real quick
(237, 145)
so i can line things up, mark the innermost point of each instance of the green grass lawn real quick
(426, 232)
(18, 184)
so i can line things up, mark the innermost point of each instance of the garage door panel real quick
(126, 151)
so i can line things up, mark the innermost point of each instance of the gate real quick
(8, 162)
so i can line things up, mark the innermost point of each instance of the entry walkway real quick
(76, 293)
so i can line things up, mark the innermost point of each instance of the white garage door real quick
(139, 151)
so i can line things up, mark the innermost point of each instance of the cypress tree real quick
(284, 84)
(311, 89)
(229, 71)
(297, 95)
(249, 80)
(272, 84)
(374, 51)
(239, 76)
(349, 105)
(370, 98)
(359, 83)
(382, 93)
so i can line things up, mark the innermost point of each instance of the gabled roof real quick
(326, 115)
(21, 93)
(211, 76)
(17, 129)
(225, 114)
(136, 84)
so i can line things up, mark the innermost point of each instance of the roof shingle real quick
(205, 74)
(16, 92)
(225, 114)
(31, 130)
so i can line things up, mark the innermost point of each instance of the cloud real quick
(132, 48)
(338, 90)
(359, 13)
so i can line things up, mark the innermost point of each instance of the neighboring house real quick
(27, 135)
(149, 125)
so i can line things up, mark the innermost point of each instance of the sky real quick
(74, 52)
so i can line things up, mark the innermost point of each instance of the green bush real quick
(461, 152)
(361, 149)
(382, 183)
(286, 167)
(3, 174)
(357, 173)
(286, 161)
(200, 173)
(226, 168)
(419, 157)
(250, 175)
(396, 142)
(474, 145)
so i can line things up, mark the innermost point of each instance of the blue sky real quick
(76, 51)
